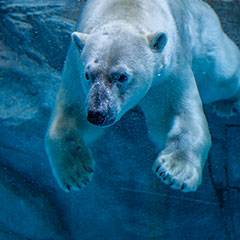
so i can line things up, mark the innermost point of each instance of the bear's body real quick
(159, 54)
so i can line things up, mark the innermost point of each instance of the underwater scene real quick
(102, 132)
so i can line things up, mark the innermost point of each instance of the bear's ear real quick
(79, 39)
(157, 41)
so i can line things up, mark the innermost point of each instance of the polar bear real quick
(159, 54)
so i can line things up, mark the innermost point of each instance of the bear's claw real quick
(87, 169)
(183, 186)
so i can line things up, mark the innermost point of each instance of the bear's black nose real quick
(95, 117)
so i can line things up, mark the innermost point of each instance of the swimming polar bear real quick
(160, 54)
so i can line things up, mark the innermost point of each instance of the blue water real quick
(124, 201)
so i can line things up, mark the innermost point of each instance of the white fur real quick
(115, 36)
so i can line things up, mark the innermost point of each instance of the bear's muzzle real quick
(101, 105)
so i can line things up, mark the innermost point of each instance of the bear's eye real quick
(122, 78)
(87, 76)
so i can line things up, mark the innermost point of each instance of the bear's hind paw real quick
(225, 108)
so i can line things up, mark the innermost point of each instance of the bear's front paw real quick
(178, 171)
(73, 167)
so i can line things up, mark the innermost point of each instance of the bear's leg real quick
(217, 68)
(181, 161)
(179, 127)
(226, 79)
(66, 145)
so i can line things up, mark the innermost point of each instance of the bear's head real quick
(119, 66)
